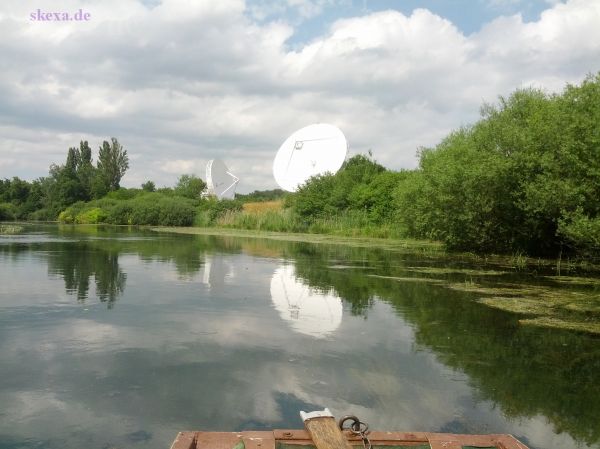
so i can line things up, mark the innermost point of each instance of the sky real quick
(180, 82)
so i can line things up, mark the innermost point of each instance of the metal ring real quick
(357, 427)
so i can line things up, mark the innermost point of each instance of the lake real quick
(120, 338)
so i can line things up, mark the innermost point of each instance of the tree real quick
(112, 164)
(148, 186)
(348, 190)
(85, 170)
(189, 186)
(524, 178)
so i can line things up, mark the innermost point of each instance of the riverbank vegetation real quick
(523, 180)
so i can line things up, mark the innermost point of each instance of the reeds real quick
(271, 216)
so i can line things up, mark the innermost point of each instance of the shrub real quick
(91, 216)
(211, 209)
(124, 194)
(120, 213)
(8, 212)
(142, 209)
(581, 231)
(177, 212)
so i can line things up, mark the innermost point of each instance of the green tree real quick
(85, 170)
(349, 189)
(148, 186)
(189, 186)
(112, 164)
(525, 178)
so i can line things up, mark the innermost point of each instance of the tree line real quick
(525, 178)
(78, 184)
(78, 179)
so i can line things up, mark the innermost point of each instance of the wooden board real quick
(326, 434)
(301, 437)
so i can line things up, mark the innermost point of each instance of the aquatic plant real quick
(10, 229)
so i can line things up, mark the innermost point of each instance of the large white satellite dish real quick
(312, 150)
(308, 311)
(220, 181)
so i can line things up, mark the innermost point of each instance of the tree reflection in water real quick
(80, 264)
(90, 255)
(526, 370)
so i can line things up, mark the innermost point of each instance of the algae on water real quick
(10, 229)
(555, 307)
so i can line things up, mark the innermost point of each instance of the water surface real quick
(119, 338)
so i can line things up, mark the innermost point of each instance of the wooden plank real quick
(409, 437)
(509, 442)
(442, 444)
(258, 440)
(291, 434)
(184, 440)
(218, 440)
(326, 434)
(330, 437)
(449, 440)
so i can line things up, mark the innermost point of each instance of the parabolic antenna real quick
(312, 150)
(308, 311)
(219, 180)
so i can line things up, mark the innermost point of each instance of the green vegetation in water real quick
(10, 229)
(450, 270)
(574, 280)
(550, 306)
(512, 363)
(407, 279)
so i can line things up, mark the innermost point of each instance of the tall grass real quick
(259, 207)
(272, 216)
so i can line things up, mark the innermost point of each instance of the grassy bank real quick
(160, 209)
(404, 245)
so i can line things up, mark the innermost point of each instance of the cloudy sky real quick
(180, 82)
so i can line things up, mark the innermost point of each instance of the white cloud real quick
(181, 83)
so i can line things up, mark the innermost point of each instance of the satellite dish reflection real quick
(308, 311)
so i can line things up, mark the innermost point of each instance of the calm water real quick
(119, 339)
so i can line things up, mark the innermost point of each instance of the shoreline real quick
(386, 243)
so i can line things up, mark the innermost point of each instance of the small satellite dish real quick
(307, 310)
(220, 181)
(312, 150)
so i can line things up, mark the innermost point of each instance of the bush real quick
(511, 182)
(8, 212)
(210, 210)
(360, 185)
(91, 216)
(124, 194)
(145, 209)
(41, 215)
(581, 232)
(177, 212)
